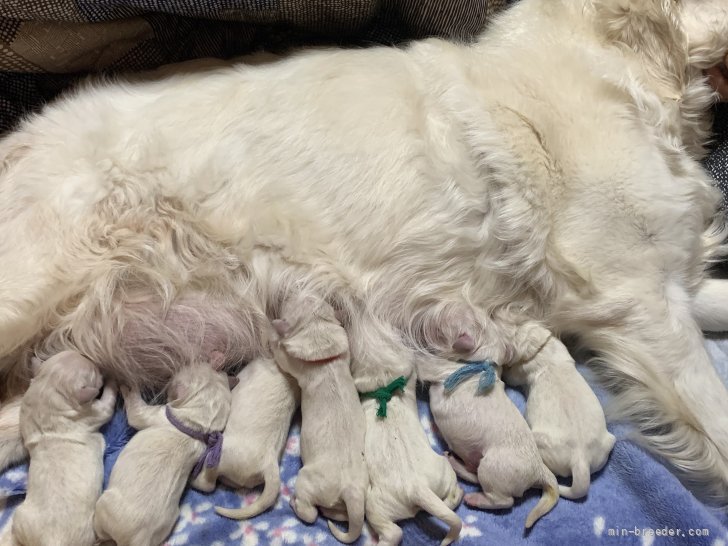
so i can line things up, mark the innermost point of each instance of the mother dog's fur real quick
(552, 165)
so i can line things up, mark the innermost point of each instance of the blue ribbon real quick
(486, 369)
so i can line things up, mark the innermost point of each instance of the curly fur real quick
(557, 176)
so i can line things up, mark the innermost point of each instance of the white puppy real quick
(59, 421)
(490, 435)
(141, 504)
(263, 404)
(312, 346)
(565, 416)
(561, 175)
(406, 475)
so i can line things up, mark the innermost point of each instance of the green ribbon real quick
(385, 394)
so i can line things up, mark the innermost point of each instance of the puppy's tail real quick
(11, 442)
(266, 499)
(435, 506)
(354, 501)
(580, 480)
(549, 498)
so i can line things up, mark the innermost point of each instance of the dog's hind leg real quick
(389, 533)
(665, 384)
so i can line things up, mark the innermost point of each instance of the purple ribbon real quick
(212, 440)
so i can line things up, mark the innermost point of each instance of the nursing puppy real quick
(312, 346)
(141, 504)
(559, 174)
(263, 404)
(405, 473)
(450, 330)
(565, 416)
(495, 444)
(60, 417)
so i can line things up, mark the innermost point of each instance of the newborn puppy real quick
(313, 347)
(59, 421)
(405, 473)
(263, 404)
(565, 416)
(141, 504)
(490, 435)
(455, 330)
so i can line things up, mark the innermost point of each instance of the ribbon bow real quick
(487, 375)
(212, 440)
(385, 394)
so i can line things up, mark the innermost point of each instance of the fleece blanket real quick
(633, 500)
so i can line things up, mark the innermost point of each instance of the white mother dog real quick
(553, 163)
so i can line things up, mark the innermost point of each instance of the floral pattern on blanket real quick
(632, 501)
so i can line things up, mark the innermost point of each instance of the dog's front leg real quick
(139, 414)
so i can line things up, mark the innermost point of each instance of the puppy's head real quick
(75, 379)
(202, 394)
(310, 332)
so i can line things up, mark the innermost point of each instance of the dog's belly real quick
(319, 154)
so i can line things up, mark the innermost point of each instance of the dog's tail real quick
(266, 499)
(580, 480)
(11, 442)
(354, 501)
(435, 506)
(549, 498)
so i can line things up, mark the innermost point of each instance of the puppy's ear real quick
(233, 381)
(281, 326)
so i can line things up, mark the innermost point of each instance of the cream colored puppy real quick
(141, 504)
(565, 416)
(263, 404)
(492, 438)
(406, 474)
(313, 347)
(59, 421)
(475, 416)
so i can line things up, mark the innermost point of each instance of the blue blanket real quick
(633, 500)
